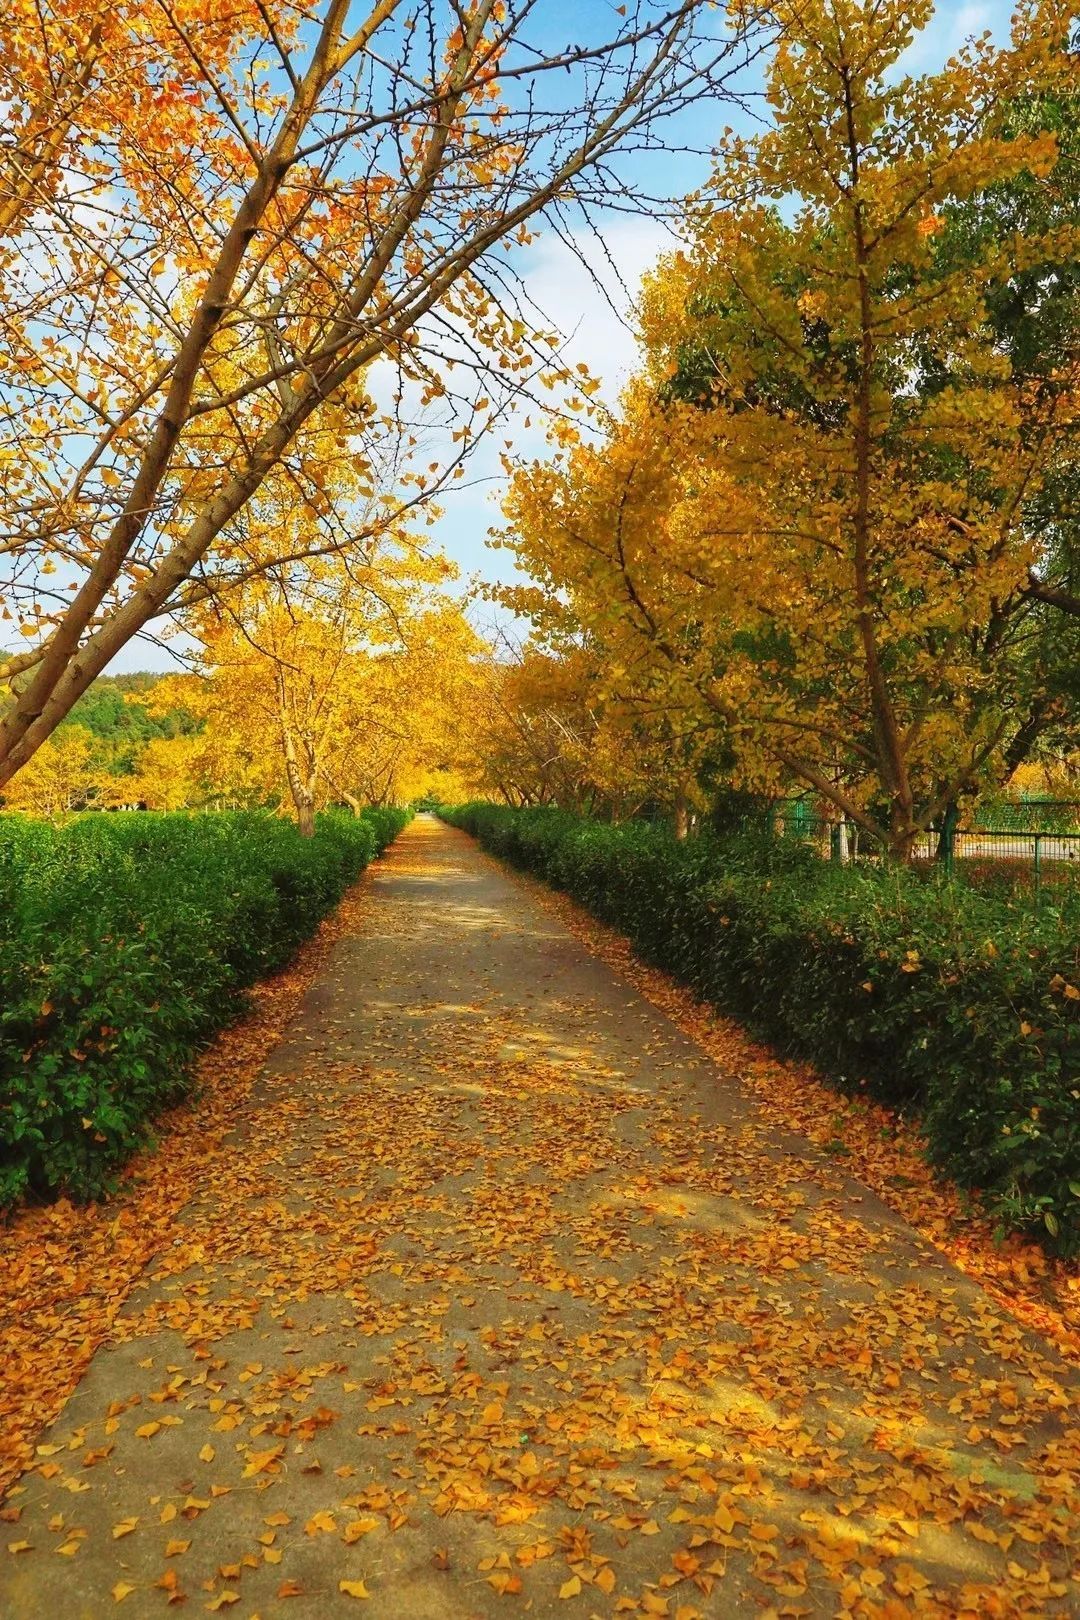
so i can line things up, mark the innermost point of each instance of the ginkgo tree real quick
(553, 731)
(216, 229)
(335, 685)
(62, 776)
(413, 733)
(809, 520)
(538, 735)
(73, 73)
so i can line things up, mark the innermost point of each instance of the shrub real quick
(126, 941)
(961, 1006)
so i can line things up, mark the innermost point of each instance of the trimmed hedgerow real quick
(126, 941)
(960, 1006)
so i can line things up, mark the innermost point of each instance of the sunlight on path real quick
(510, 1304)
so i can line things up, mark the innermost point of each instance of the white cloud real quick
(589, 301)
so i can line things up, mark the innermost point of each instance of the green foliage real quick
(958, 1005)
(126, 941)
(111, 711)
(1034, 317)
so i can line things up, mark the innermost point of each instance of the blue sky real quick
(597, 319)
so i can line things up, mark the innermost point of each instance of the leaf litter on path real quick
(499, 1297)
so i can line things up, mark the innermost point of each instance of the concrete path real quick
(509, 1306)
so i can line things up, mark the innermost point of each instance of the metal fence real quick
(1009, 859)
(1033, 815)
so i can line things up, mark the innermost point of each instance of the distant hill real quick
(123, 726)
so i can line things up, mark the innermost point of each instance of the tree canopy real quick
(817, 528)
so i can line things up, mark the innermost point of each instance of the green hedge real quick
(126, 941)
(960, 1006)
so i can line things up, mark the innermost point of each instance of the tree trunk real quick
(301, 782)
(682, 817)
(901, 845)
(303, 801)
(1027, 735)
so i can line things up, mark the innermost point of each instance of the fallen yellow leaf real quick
(359, 1527)
(320, 1523)
(259, 1461)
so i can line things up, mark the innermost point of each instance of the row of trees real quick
(829, 539)
(355, 685)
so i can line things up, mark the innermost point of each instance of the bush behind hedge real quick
(960, 1006)
(126, 941)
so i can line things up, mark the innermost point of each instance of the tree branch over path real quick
(190, 316)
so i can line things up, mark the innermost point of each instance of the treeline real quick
(110, 753)
(119, 711)
(333, 687)
(827, 541)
